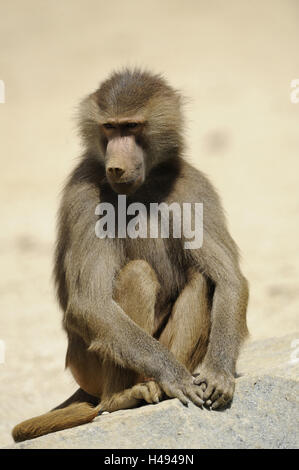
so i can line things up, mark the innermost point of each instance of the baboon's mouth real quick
(127, 187)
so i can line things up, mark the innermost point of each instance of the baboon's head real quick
(132, 123)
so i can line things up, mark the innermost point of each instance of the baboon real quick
(142, 315)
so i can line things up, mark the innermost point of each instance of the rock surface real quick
(264, 412)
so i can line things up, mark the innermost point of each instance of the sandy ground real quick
(234, 60)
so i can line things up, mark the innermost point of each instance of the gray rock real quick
(263, 414)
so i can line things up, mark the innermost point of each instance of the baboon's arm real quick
(219, 261)
(228, 328)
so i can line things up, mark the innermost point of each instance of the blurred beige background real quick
(235, 60)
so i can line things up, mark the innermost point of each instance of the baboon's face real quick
(132, 123)
(125, 157)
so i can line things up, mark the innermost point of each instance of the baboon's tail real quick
(80, 408)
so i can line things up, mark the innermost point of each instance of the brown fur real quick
(142, 314)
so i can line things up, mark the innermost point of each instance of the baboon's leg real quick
(135, 290)
(85, 366)
(186, 333)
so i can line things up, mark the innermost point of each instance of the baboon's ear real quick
(88, 119)
(88, 109)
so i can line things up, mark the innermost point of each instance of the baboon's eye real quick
(108, 125)
(132, 125)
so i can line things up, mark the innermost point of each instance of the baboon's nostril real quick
(115, 172)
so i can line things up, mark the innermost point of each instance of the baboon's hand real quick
(217, 387)
(183, 389)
